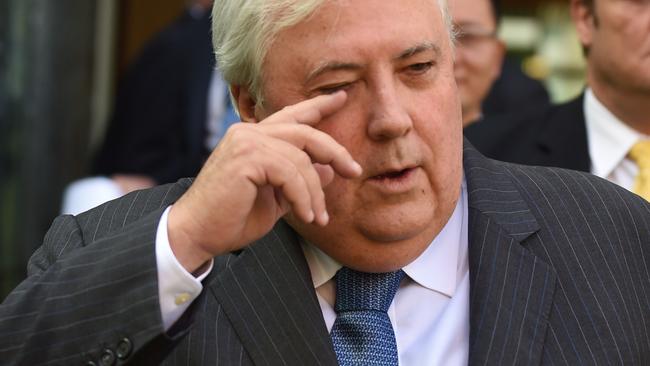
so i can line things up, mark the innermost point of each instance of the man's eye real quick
(420, 67)
(331, 89)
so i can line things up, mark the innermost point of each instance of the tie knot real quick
(640, 153)
(357, 291)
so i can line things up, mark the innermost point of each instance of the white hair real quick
(243, 30)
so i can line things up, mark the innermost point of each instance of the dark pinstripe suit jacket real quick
(559, 264)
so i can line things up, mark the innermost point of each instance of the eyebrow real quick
(332, 66)
(422, 47)
(329, 66)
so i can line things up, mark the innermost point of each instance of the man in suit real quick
(346, 222)
(479, 54)
(600, 130)
(164, 114)
(489, 84)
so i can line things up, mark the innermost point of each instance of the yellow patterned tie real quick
(640, 154)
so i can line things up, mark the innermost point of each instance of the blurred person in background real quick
(489, 84)
(605, 130)
(479, 53)
(171, 109)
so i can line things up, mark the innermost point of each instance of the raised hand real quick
(257, 174)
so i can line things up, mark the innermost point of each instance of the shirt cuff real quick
(177, 287)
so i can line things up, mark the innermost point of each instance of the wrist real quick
(184, 246)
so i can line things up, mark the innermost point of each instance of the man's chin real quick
(377, 258)
(383, 239)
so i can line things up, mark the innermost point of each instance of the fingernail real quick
(357, 168)
(310, 217)
(324, 218)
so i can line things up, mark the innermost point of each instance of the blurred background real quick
(62, 61)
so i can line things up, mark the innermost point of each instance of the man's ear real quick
(584, 20)
(245, 102)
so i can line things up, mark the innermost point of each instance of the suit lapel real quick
(511, 290)
(268, 295)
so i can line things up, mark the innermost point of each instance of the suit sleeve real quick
(85, 299)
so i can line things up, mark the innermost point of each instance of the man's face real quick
(479, 53)
(617, 33)
(401, 122)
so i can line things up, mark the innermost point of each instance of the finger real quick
(281, 173)
(310, 111)
(326, 176)
(321, 147)
(310, 175)
(325, 173)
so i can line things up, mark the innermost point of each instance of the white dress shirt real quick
(177, 288)
(610, 140)
(430, 312)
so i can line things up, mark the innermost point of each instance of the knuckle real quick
(235, 129)
(288, 109)
(304, 160)
(291, 172)
(318, 115)
(236, 132)
(244, 147)
(312, 133)
(341, 152)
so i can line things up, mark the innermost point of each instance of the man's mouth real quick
(394, 174)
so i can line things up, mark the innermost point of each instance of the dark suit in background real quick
(514, 91)
(558, 275)
(549, 136)
(159, 125)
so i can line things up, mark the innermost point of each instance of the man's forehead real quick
(340, 15)
(401, 35)
(355, 34)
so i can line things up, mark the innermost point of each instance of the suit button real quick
(90, 363)
(124, 348)
(107, 358)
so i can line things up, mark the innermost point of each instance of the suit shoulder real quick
(566, 189)
(515, 136)
(489, 134)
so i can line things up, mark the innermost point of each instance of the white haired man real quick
(343, 223)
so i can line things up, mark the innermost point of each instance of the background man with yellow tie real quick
(346, 222)
(602, 131)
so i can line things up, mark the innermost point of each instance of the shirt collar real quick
(437, 268)
(609, 138)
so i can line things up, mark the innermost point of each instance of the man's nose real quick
(389, 117)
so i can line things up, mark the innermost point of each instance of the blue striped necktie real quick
(362, 333)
